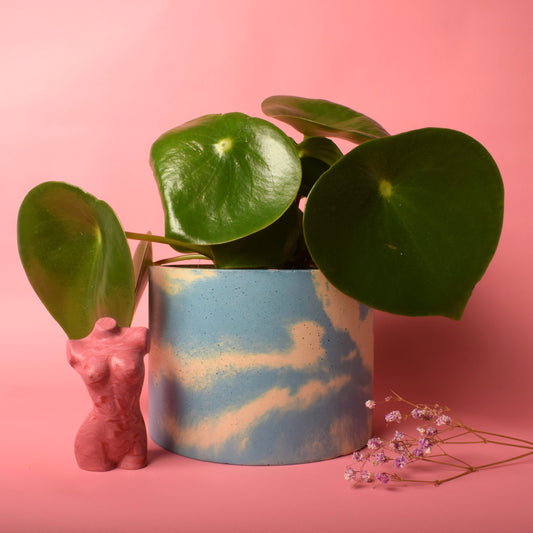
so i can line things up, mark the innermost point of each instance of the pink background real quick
(86, 87)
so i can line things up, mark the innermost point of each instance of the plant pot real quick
(257, 367)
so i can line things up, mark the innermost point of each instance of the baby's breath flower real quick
(393, 416)
(358, 456)
(431, 431)
(418, 452)
(370, 404)
(399, 462)
(380, 458)
(366, 476)
(398, 436)
(423, 413)
(425, 444)
(383, 477)
(374, 443)
(443, 420)
(397, 447)
(350, 474)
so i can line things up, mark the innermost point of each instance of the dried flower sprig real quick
(436, 432)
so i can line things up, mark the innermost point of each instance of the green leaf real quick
(409, 223)
(268, 248)
(222, 177)
(76, 257)
(312, 169)
(319, 148)
(142, 260)
(317, 154)
(322, 118)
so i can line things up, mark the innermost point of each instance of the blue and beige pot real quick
(257, 367)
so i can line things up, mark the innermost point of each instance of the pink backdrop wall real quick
(86, 87)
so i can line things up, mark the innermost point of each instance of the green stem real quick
(154, 238)
(184, 257)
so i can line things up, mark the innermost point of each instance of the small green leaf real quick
(322, 118)
(268, 248)
(319, 148)
(76, 257)
(409, 223)
(317, 154)
(223, 177)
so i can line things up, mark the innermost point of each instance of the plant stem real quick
(184, 257)
(154, 238)
(505, 437)
(171, 242)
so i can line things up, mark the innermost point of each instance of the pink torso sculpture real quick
(110, 362)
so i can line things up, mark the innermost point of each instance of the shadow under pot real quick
(257, 367)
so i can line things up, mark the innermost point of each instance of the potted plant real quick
(403, 223)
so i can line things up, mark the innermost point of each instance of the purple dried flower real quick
(374, 443)
(366, 476)
(443, 420)
(357, 456)
(396, 446)
(425, 444)
(431, 431)
(398, 436)
(370, 404)
(418, 452)
(382, 477)
(422, 413)
(393, 416)
(350, 474)
(380, 458)
(399, 462)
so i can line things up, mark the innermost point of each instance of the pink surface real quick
(86, 89)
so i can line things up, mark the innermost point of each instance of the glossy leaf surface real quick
(408, 223)
(314, 117)
(222, 177)
(76, 257)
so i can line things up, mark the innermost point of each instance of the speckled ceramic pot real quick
(257, 367)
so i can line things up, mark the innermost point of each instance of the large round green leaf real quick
(222, 177)
(409, 223)
(322, 118)
(76, 257)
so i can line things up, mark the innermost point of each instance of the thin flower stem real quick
(493, 442)
(408, 480)
(445, 463)
(438, 482)
(503, 461)
(505, 437)
(459, 460)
